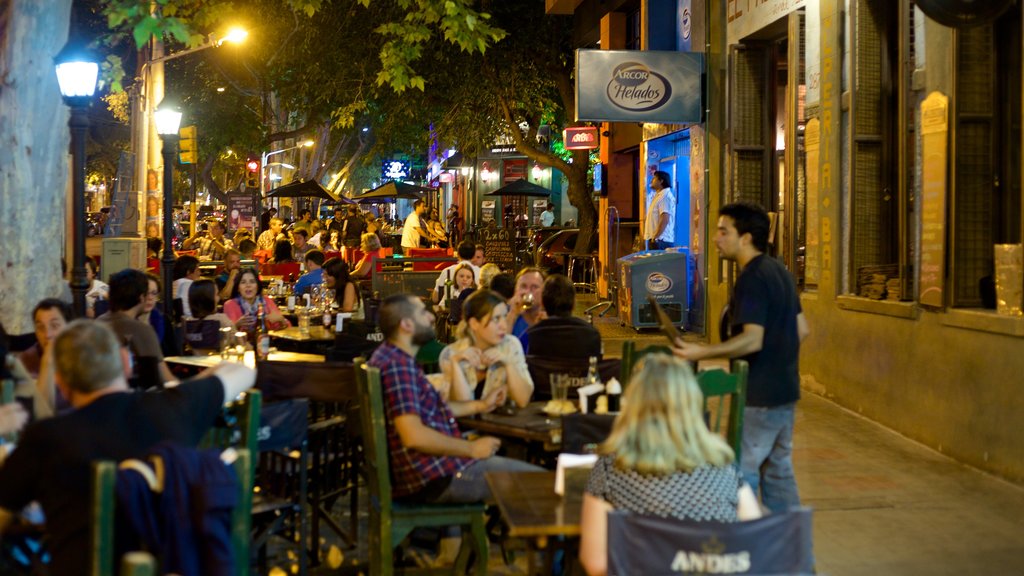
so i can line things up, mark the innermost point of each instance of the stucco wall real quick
(956, 390)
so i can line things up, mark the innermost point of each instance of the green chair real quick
(631, 355)
(391, 522)
(135, 563)
(238, 427)
(429, 356)
(729, 388)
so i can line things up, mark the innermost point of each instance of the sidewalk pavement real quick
(884, 504)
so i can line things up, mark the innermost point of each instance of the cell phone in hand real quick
(664, 322)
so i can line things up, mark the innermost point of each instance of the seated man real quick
(50, 316)
(561, 334)
(229, 276)
(299, 243)
(185, 272)
(430, 461)
(315, 274)
(128, 290)
(52, 463)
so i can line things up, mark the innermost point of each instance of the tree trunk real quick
(34, 160)
(581, 199)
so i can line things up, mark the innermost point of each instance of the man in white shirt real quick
(413, 227)
(660, 223)
(547, 217)
(465, 252)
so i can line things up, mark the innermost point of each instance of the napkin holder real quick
(588, 395)
(572, 472)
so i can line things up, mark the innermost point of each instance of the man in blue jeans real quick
(766, 325)
(430, 461)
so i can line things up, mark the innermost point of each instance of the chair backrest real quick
(631, 355)
(104, 474)
(730, 390)
(202, 334)
(429, 356)
(238, 425)
(7, 387)
(776, 544)
(320, 381)
(542, 368)
(583, 433)
(284, 269)
(375, 440)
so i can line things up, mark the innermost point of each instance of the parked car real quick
(551, 253)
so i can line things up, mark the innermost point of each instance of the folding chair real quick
(654, 546)
(391, 522)
(101, 534)
(543, 367)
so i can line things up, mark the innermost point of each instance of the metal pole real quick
(170, 150)
(79, 124)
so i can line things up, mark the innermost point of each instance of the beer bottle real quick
(262, 335)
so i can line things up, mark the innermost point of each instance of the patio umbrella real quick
(302, 189)
(521, 188)
(392, 190)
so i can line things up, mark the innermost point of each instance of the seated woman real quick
(245, 301)
(485, 356)
(282, 252)
(661, 460)
(346, 293)
(203, 297)
(370, 246)
(463, 285)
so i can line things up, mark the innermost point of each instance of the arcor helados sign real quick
(639, 86)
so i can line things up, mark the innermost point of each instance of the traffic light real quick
(252, 173)
(188, 152)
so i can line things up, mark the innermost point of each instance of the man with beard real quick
(430, 461)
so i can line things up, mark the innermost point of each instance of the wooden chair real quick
(728, 389)
(238, 427)
(775, 544)
(631, 355)
(391, 522)
(101, 536)
(332, 437)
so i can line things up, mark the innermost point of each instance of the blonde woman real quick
(661, 460)
(369, 244)
(486, 356)
(487, 273)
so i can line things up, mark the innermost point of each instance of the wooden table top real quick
(530, 506)
(529, 423)
(250, 359)
(317, 333)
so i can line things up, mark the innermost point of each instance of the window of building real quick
(878, 252)
(986, 204)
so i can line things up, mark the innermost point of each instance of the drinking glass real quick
(527, 300)
(559, 388)
(226, 342)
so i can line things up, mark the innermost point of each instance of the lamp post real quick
(150, 88)
(168, 118)
(77, 71)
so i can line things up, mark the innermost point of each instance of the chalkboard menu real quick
(499, 248)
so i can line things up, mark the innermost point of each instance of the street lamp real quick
(77, 71)
(263, 166)
(168, 119)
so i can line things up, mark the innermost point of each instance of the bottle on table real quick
(593, 376)
(262, 335)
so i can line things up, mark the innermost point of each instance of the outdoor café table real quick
(194, 364)
(529, 424)
(318, 338)
(532, 511)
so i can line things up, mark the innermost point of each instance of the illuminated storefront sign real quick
(580, 138)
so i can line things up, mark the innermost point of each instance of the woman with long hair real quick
(660, 459)
(245, 301)
(346, 293)
(203, 298)
(370, 246)
(485, 356)
(282, 252)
